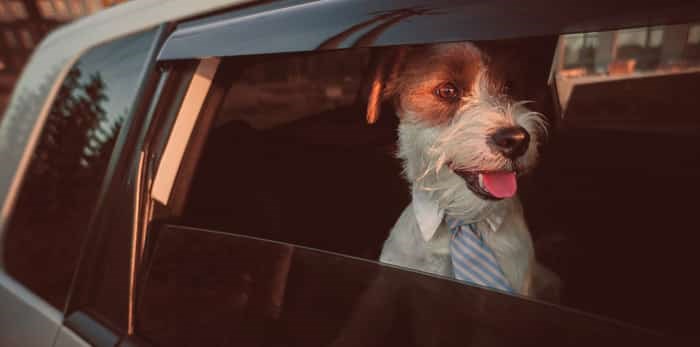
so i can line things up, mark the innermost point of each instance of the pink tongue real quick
(500, 184)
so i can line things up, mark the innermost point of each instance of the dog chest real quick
(406, 247)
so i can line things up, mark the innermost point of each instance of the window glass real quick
(42, 242)
(260, 293)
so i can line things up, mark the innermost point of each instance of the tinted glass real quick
(205, 288)
(58, 195)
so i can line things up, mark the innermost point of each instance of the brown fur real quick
(417, 72)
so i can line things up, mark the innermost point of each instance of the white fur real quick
(426, 150)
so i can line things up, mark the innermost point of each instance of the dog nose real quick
(511, 142)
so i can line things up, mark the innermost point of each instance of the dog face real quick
(461, 138)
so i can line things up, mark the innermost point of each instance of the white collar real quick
(429, 214)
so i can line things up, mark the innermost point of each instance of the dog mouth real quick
(490, 185)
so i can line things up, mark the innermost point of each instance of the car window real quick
(598, 70)
(262, 293)
(291, 158)
(60, 190)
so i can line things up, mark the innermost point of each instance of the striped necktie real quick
(472, 260)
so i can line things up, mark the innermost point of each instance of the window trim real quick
(182, 130)
(123, 174)
(278, 26)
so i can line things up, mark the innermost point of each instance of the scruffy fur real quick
(437, 137)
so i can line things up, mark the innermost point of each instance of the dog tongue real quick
(500, 184)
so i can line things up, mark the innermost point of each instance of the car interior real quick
(610, 205)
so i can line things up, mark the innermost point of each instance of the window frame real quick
(167, 201)
(119, 192)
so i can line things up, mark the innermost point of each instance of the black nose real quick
(511, 142)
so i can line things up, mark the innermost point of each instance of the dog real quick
(463, 143)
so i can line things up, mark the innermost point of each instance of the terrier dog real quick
(463, 142)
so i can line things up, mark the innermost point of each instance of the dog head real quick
(463, 141)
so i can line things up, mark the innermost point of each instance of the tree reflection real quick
(61, 186)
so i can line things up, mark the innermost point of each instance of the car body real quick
(153, 128)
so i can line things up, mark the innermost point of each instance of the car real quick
(181, 173)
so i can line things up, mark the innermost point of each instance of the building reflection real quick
(623, 54)
(24, 23)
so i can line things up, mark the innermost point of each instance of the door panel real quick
(67, 338)
(26, 319)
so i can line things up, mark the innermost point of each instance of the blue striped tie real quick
(472, 260)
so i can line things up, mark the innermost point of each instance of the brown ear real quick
(385, 71)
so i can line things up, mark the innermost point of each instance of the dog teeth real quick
(481, 181)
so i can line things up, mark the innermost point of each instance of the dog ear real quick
(385, 70)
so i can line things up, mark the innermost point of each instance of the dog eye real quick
(447, 91)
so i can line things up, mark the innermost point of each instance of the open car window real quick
(287, 160)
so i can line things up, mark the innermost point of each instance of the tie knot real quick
(453, 223)
(456, 225)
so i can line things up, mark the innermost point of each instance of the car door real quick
(244, 239)
(69, 170)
